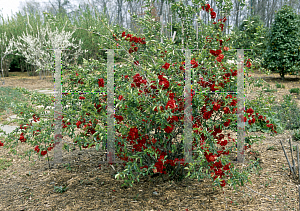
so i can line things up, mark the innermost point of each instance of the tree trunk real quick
(22, 66)
(237, 4)
(282, 73)
(5, 66)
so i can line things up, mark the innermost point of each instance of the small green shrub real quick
(60, 189)
(271, 148)
(267, 88)
(279, 85)
(288, 113)
(4, 164)
(296, 135)
(259, 83)
(295, 90)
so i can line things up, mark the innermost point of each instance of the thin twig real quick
(292, 156)
(287, 159)
(298, 165)
(260, 193)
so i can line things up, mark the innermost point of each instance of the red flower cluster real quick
(215, 53)
(133, 134)
(101, 82)
(22, 139)
(166, 66)
(133, 39)
(163, 82)
(35, 119)
(208, 8)
(138, 80)
(248, 63)
(44, 152)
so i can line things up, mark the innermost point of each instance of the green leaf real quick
(97, 146)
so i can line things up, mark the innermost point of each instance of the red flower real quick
(248, 63)
(135, 48)
(165, 83)
(233, 103)
(130, 50)
(226, 110)
(226, 124)
(216, 53)
(43, 153)
(133, 134)
(216, 106)
(169, 129)
(22, 139)
(210, 157)
(213, 15)
(171, 104)
(101, 82)
(207, 7)
(171, 96)
(234, 73)
(36, 149)
(166, 66)
(249, 110)
(194, 63)
(123, 34)
(207, 115)
(224, 143)
(1, 144)
(120, 97)
(81, 98)
(250, 122)
(137, 63)
(78, 123)
(223, 183)
(220, 57)
(222, 26)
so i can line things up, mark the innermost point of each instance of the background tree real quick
(282, 54)
(252, 35)
(37, 49)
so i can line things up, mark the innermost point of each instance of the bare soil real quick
(29, 185)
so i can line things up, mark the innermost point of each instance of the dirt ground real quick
(29, 185)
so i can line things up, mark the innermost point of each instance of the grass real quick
(279, 85)
(60, 189)
(296, 135)
(4, 164)
(9, 97)
(267, 88)
(295, 90)
(288, 113)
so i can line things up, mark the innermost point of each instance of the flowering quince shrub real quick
(150, 110)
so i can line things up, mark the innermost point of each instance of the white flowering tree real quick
(6, 48)
(38, 48)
